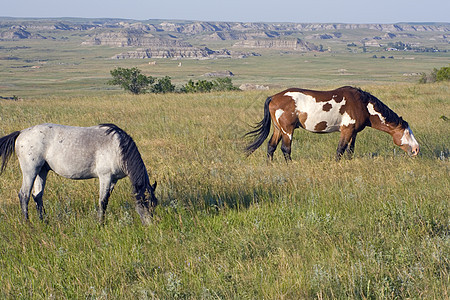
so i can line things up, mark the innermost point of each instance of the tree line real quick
(132, 80)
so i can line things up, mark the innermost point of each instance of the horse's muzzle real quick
(414, 151)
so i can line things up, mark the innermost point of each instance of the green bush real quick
(164, 85)
(442, 74)
(201, 86)
(204, 86)
(131, 80)
(224, 84)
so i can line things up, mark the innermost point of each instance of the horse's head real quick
(146, 202)
(404, 138)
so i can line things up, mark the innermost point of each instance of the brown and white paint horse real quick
(346, 109)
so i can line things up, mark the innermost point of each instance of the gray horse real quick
(105, 152)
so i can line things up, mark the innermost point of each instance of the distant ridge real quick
(196, 27)
(201, 39)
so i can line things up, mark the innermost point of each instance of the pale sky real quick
(298, 11)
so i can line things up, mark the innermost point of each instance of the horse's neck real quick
(384, 126)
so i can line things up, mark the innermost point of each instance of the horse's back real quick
(348, 92)
(73, 152)
(55, 137)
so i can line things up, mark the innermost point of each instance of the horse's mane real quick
(389, 115)
(134, 164)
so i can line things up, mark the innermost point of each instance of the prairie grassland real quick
(38, 69)
(232, 227)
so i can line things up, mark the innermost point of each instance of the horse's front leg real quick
(351, 147)
(106, 187)
(346, 135)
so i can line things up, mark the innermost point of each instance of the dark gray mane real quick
(134, 165)
(389, 115)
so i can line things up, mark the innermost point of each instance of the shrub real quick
(189, 87)
(204, 86)
(223, 84)
(442, 74)
(164, 85)
(131, 80)
(423, 77)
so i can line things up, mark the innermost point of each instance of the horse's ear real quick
(154, 185)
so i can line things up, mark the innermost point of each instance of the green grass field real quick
(40, 69)
(229, 226)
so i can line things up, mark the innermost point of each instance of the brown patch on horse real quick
(327, 107)
(343, 109)
(325, 96)
(338, 97)
(302, 118)
(319, 96)
(321, 126)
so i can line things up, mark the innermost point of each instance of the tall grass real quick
(232, 227)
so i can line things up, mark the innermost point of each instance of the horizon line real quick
(195, 21)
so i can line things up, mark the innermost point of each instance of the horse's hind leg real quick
(31, 164)
(273, 143)
(38, 191)
(25, 190)
(286, 146)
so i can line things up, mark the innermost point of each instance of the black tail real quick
(261, 131)
(7, 144)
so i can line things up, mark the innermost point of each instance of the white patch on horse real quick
(314, 109)
(347, 120)
(278, 113)
(408, 138)
(373, 112)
